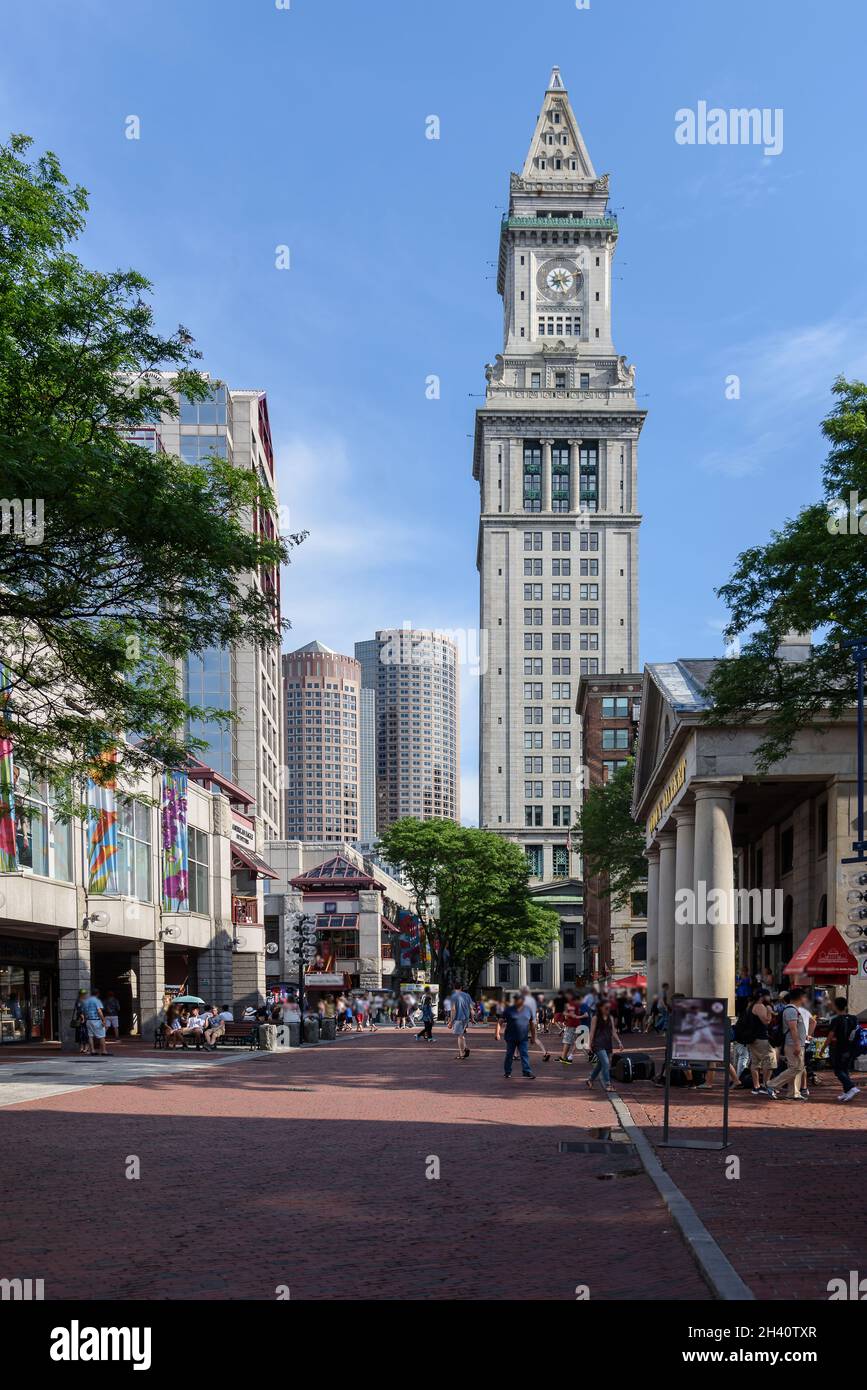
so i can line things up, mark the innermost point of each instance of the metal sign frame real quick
(677, 1143)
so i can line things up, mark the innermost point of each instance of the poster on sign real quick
(698, 1030)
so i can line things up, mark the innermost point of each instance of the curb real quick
(716, 1269)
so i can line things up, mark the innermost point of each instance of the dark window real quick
(639, 947)
(787, 851)
(568, 938)
(638, 904)
(535, 972)
(822, 828)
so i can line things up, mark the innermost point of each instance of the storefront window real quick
(44, 844)
(198, 863)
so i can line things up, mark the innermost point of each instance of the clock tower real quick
(555, 456)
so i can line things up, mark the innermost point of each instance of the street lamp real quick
(303, 951)
(856, 879)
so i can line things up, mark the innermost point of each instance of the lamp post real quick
(303, 951)
(856, 879)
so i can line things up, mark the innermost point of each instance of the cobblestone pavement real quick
(308, 1171)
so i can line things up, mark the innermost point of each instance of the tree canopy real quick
(810, 577)
(471, 887)
(139, 559)
(609, 839)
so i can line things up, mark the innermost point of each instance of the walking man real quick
(95, 1019)
(532, 1008)
(517, 1019)
(572, 1020)
(840, 1052)
(794, 1043)
(461, 1012)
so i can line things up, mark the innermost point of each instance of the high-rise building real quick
(367, 740)
(414, 676)
(322, 692)
(246, 679)
(556, 460)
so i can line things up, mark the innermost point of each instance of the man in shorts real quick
(572, 1022)
(95, 1020)
(461, 1012)
(111, 1009)
(532, 1007)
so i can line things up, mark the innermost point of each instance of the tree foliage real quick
(810, 577)
(609, 839)
(142, 559)
(471, 887)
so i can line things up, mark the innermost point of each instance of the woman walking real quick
(603, 1040)
(427, 1020)
(78, 1022)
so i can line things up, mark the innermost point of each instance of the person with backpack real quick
(427, 1019)
(794, 1046)
(752, 1029)
(844, 1046)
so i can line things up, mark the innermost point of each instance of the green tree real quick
(609, 839)
(811, 576)
(471, 887)
(140, 559)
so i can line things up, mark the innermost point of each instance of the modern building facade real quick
(322, 694)
(556, 461)
(367, 745)
(57, 936)
(762, 853)
(245, 680)
(416, 681)
(608, 710)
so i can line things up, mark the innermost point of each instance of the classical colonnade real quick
(693, 849)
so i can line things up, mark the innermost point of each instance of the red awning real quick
(631, 982)
(254, 862)
(822, 952)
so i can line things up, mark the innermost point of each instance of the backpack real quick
(778, 1030)
(858, 1040)
(746, 1030)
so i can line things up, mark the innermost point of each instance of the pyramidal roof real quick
(319, 647)
(557, 137)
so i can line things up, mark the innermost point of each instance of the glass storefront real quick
(28, 991)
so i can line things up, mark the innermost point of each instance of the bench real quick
(243, 1034)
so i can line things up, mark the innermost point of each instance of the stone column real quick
(574, 474)
(713, 956)
(73, 959)
(546, 475)
(684, 878)
(665, 925)
(652, 856)
(555, 962)
(489, 974)
(522, 971)
(151, 986)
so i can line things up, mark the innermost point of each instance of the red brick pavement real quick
(796, 1216)
(309, 1171)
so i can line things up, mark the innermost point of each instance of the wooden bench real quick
(243, 1034)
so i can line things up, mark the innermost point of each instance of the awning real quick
(249, 859)
(822, 952)
(389, 926)
(631, 982)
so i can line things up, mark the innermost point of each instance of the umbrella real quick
(631, 982)
(188, 999)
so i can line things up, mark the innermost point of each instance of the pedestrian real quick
(459, 1018)
(447, 1010)
(603, 1040)
(95, 1016)
(571, 1024)
(807, 1013)
(402, 1011)
(499, 1019)
(794, 1041)
(533, 1009)
(558, 1011)
(111, 1009)
(743, 991)
(78, 1022)
(516, 1018)
(754, 1031)
(841, 1052)
(427, 1019)
(638, 1011)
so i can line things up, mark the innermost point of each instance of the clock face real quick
(560, 280)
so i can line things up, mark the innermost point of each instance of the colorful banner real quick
(8, 852)
(410, 944)
(102, 832)
(176, 881)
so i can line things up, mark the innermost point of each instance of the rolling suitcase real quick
(633, 1066)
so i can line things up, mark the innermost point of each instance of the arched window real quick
(639, 947)
(822, 914)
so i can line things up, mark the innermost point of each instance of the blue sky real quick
(263, 127)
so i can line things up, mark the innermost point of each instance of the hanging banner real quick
(102, 831)
(409, 940)
(176, 889)
(8, 850)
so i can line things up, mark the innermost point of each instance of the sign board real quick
(331, 980)
(698, 1030)
(242, 832)
(369, 979)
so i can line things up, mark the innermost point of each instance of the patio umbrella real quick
(188, 999)
(631, 982)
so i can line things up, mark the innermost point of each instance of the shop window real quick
(198, 867)
(134, 850)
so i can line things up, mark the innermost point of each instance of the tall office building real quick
(556, 462)
(323, 782)
(415, 679)
(367, 740)
(246, 679)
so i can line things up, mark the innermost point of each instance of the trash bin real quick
(311, 1030)
(328, 1030)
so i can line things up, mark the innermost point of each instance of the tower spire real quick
(557, 151)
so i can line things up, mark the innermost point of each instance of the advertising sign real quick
(698, 1030)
